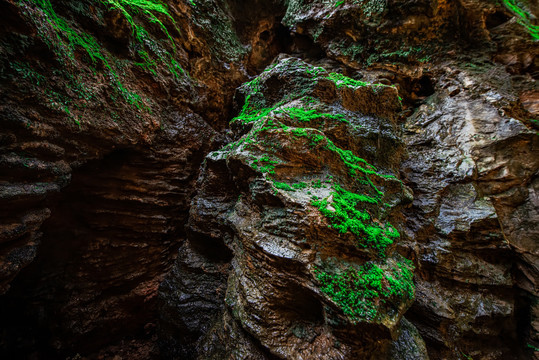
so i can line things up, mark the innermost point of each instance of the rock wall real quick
(390, 139)
(108, 110)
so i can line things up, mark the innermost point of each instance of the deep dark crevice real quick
(496, 19)
(284, 37)
(424, 87)
(304, 46)
(213, 249)
(264, 35)
(301, 306)
(523, 317)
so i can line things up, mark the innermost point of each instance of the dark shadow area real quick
(496, 19)
(213, 249)
(78, 296)
(305, 47)
(424, 87)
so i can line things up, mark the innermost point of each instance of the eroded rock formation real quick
(282, 199)
(390, 139)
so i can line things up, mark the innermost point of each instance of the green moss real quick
(64, 49)
(149, 9)
(54, 99)
(26, 72)
(361, 292)
(282, 186)
(356, 203)
(300, 185)
(254, 106)
(524, 17)
(264, 165)
(340, 81)
(292, 187)
(303, 115)
(66, 40)
(317, 184)
(404, 54)
(346, 211)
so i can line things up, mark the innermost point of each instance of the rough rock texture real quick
(107, 112)
(293, 247)
(472, 168)
(273, 219)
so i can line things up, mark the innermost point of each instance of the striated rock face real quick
(389, 213)
(108, 109)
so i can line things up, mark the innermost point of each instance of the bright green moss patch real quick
(317, 184)
(347, 212)
(344, 81)
(360, 293)
(264, 164)
(524, 17)
(254, 108)
(64, 49)
(340, 81)
(149, 9)
(300, 185)
(66, 41)
(303, 115)
(251, 112)
(249, 116)
(282, 186)
(292, 187)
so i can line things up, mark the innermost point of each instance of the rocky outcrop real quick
(291, 242)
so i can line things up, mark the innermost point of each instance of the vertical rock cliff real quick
(277, 179)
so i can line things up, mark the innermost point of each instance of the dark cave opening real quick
(496, 19)
(264, 35)
(305, 46)
(214, 249)
(424, 87)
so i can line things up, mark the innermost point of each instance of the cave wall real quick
(110, 112)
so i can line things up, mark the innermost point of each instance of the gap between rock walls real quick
(366, 132)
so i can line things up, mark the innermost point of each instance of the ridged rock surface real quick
(111, 110)
(107, 112)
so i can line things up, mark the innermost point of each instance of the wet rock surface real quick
(107, 112)
(466, 244)
(389, 139)
(277, 200)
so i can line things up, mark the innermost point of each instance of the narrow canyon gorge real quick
(269, 179)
